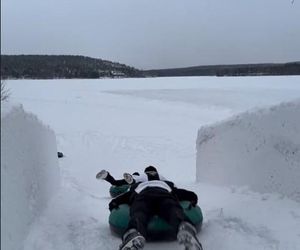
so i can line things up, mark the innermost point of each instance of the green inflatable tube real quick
(117, 190)
(158, 229)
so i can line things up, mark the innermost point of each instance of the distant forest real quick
(62, 66)
(292, 68)
(69, 67)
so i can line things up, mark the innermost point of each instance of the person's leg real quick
(183, 229)
(109, 178)
(171, 211)
(140, 213)
(136, 232)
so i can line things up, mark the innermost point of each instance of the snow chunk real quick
(259, 149)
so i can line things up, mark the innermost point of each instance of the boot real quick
(102, 175)
(132, 240)
(128, 178)
(187, 236)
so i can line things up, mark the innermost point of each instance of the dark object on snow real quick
(60, 154)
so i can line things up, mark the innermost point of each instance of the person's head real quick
(150, 169)
(152, 173)
(136, 173)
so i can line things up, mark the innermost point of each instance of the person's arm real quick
(185, 195)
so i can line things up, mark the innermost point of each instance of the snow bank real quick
(258, 149)
(29, 172)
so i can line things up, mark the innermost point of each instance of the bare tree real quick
(4, 92)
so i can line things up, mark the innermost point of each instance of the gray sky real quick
(151, 34)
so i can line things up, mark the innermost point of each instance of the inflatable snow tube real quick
(158, 229)
(117, 190)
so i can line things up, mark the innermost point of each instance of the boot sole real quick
(189, 241)
(136, 243)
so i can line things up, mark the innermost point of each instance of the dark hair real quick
(150, 169)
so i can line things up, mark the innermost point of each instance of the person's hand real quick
(193, 203)
(113, 205)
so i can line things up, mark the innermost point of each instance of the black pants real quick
(155, 201)
(115, 182)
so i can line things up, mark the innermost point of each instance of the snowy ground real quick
(125, 125)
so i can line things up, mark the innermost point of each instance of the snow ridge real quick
(258, 149)
(29, 173)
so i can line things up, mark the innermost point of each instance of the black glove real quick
(193, 203)
(113, 205)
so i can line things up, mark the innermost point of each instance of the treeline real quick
(292, 68)
(62, 66)
(67, 66)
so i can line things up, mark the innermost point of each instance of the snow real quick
(124, 125)
(259, 149)
(29, 173)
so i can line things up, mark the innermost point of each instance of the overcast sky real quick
(151, 34)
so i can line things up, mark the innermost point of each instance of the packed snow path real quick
(125, 125)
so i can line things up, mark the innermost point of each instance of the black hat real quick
(150, 169)
(136, 173)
